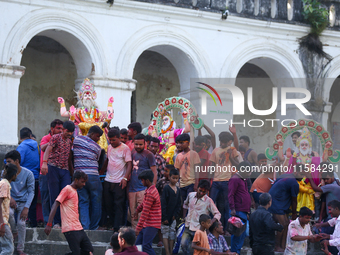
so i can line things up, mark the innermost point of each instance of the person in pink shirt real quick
(72, 229)
(56, 128)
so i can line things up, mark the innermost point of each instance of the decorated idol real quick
(87, 113)
(168, 134)
(303, 156)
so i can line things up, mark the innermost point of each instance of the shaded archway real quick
(177, 46)
(264, 74)
(74, 32)
(334, 115)
(260, 133)
(157, 79)
(50, 73)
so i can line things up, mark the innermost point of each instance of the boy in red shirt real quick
(151, 213)
(77, 239)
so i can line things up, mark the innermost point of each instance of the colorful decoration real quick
(176, 102)
(312, 126)
(87, 114)
(306, 135)
(87, 87)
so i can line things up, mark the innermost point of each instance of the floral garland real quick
(93, 114)
(165, 140)
(300, 161)
(168, 129)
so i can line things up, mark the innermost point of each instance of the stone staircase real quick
(37, 243)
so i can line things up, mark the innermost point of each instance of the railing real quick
(284, 11)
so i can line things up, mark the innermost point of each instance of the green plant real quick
(315, 15)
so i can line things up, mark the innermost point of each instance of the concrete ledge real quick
(37, 243)
(38, 234)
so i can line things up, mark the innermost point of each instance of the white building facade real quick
(106, 41)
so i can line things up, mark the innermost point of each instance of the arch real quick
(73, 31)
(275, 60)
(332, 73)
(188, 58)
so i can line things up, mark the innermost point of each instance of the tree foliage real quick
(316, 16)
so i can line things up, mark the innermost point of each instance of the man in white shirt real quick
(334, 239)
(299, 231)
(118, 165)
(196, 204)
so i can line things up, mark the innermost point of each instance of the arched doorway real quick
(161, 71)
(334, 119)
(157, 79)
(251, 75)
(72, 31)
(50, 73)
(186, 56)
(263, 74)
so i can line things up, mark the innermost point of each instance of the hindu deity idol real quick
(303, 156)
(169, 134)
(87, 113)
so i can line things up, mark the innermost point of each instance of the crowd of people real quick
(134, 191)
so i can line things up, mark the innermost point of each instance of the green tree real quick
(317, 17)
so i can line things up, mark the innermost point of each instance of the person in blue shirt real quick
(22, 194)
(30, 159)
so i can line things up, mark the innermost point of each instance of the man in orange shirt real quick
(72, 229)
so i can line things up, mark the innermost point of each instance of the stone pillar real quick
(9, 81)
(120, 90)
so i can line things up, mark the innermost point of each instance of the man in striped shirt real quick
(151, 213)
(86, 155)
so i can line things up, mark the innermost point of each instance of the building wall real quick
(106, 42)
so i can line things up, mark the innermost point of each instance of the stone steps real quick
(37, 243)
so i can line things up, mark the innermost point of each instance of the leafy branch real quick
(316, 16)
